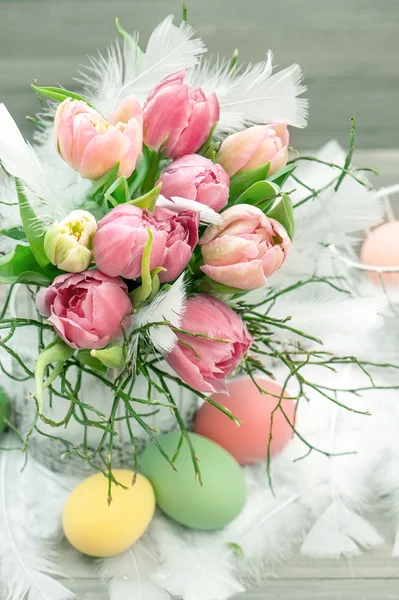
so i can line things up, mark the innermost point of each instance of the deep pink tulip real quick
(182, 237)
(203, 363)
(91, 144)
(178, 117)
(120, 238)
(246, 249)
(254, 147)
(196, 178)
(86, 309)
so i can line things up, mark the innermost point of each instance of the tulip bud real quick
(112, 357)
(68, 243)
(254, 147)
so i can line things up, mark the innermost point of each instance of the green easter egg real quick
(210, 506)
(4, 409)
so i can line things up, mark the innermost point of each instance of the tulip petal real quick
(244, 276)
(176, 259)
(229, 250)
(238, 149)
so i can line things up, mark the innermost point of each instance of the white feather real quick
(343, 323)
(167, 306)
(26, 569)
(111, 79)
(340, 532)
(128, 575)
(205, 572)
(254, 95)
(19, 159)
(207, 214)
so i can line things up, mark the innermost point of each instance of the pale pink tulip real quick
(196, 178)
(182, 237)
(120, 239)
(254, 147)
(204, 363)
(91, 144)
(246, 249)
(86, 309)
(178, 117)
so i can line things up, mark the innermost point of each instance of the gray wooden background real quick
(348, 49)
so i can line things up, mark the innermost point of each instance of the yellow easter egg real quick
(95, 528)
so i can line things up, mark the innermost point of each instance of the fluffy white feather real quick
(128, 575)
(207, 214)
(111, 79)
(343, 323)
(26, 569)
(167, 306)
(255, 94)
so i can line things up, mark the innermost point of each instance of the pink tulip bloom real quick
(246, 249)
(92, 145)
(86, 309)
(182, 237)
(120, 239)
(196, 178)
(203, 363)
(178, 117)
(254, 147)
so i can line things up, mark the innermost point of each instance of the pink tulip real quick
(120, 239)
(178, 117)
(86, 309)
(204, 363)
(92, 145)
(254, 147)
(246, 249)
(196, 178)
(182, 237)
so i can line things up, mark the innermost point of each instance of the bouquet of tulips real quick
(154, 203)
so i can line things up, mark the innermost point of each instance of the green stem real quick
(152, 173)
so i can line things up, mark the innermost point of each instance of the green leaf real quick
(118, 192)
(257, 192)
(58, 94)
(29, 218)
(237, 549)
(281, 176)
(208, 147)
(20, 266)
(139, 174)
(149, 199)
(4, 409)
(284, 214)
(57, 351)
(243, 180)
(15, 233)
(104, 182)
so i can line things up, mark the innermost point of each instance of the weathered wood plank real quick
(348, 50)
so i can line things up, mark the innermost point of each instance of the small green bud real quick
(112, 357)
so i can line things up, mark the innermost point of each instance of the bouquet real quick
(148, 225)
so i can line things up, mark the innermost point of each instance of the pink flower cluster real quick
(88, 310)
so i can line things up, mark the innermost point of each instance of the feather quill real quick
(207, 214)
(26, 569)
(254, 94)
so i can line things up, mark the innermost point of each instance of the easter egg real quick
(381, 249)
(210, 506)
(4, 409)
(95, 528)
(248, 443)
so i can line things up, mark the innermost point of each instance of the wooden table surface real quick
(349, 51)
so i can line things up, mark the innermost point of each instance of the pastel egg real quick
(381, 249)
(210, 506)
(95, 528)
(248, 443)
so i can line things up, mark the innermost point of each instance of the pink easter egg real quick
(248, 443)
(381, 249)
